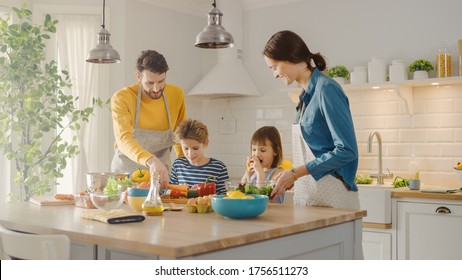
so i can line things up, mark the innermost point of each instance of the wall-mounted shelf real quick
(405, 89)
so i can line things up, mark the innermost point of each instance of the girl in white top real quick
(265, 158)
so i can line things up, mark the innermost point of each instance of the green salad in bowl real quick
(248, 188)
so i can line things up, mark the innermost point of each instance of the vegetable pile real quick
(400, 182)
(251, 189)
(363, 179)
(115, 185)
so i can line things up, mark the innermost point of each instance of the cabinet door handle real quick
(443, 210)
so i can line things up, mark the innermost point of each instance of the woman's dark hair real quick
(288, 46)
(152, 61)
(271, 134)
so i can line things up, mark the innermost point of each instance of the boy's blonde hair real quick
(191, 129)
(271, 134)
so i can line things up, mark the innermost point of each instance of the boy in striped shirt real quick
(194, 167)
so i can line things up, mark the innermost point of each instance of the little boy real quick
(195, 167)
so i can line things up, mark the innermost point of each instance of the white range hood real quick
(229, 77)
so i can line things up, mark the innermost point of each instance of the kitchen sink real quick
(376, 199)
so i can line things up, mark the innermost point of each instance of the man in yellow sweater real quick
(144, 117)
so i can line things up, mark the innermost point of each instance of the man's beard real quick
(154, 95)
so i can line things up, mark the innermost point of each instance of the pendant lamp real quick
(214, 36)
(103, 52)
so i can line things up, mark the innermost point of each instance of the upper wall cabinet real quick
(405, 89)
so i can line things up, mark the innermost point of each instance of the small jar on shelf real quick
(443, 62)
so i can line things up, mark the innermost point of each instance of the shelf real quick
(404, 89)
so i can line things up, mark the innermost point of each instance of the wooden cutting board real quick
(175, 200)
(50, 201)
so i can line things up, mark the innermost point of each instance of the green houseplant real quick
(420, 65)
(420, 68)
(34, 109)
(338, 71)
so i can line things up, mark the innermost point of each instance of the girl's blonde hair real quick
(191, 129)
(271, 134)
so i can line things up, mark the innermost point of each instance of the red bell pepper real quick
(207, 188)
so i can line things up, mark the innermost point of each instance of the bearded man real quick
(144, 116)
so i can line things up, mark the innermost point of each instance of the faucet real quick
(380, 175)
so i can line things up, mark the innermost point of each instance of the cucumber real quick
(192, 194)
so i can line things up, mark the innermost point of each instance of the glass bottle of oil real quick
(443, 62)
(153, 206)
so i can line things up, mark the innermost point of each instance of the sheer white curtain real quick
(75, 36)
(5, 165)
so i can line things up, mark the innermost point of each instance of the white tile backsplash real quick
(432, 136)
(440, 106)
(440, 135)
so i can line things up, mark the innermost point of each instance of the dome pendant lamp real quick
(214, 36)
(103, 52)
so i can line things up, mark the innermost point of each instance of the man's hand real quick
(155, 164)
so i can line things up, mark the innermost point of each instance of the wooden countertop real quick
(406, 192)
(175, 234)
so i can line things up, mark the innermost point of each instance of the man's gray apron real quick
(327, 191)
(156, 142)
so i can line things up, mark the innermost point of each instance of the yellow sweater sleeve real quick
(153, 115)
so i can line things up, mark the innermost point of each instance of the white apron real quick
(327, 191)
(157, 142)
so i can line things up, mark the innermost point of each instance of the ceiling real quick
(201, 7)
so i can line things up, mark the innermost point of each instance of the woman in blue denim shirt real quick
(325, 152)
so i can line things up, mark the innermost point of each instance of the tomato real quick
(175, 194)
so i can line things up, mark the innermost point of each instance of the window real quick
(75, 36)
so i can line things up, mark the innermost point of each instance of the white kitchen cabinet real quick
(83, 251)
(377, 245)
(105, 253)
(429, 230)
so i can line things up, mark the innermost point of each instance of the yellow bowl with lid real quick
(136, 197)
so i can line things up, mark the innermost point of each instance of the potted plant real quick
(34, 108)
(420, 68)
(340, 73)
(414, 184)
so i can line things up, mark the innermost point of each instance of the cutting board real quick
(50, 201)
(175, 200)
(441, 190)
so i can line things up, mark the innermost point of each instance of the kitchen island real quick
(281, 232)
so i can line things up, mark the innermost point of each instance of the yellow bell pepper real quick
(141, 175)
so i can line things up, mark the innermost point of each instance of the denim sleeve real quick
(335, 109)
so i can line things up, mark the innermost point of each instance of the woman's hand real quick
(284, 181)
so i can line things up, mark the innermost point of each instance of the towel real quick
(115, 216)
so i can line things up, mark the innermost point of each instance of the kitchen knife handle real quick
(443, 210)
